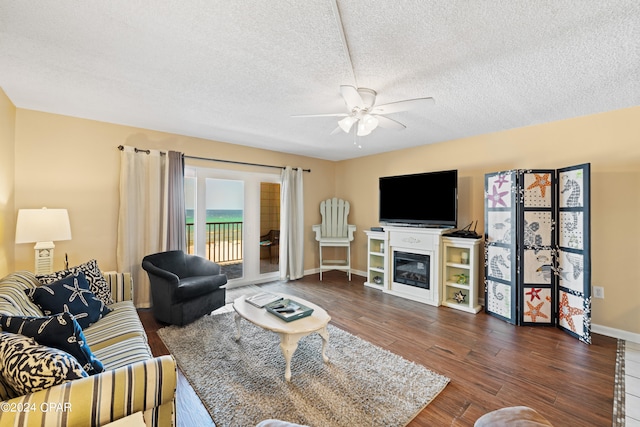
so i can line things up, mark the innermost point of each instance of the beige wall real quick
(269, 207)
(73, 163)
(7, 215)
(66, 162)
(609, 141)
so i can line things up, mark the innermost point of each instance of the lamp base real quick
(44, 257)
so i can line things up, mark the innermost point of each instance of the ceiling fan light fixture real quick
(367, 124)
(346, 123)
(363, 130)
(370, 120)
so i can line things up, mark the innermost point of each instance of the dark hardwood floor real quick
(491, 364)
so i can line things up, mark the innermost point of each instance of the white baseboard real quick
(237, 283)
(359, 273)
(353, 272)
(615, 333)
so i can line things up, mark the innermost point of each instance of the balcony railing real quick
(223, 241)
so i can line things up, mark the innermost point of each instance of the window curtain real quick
(147, 194)
(291, 224)
(175, 219)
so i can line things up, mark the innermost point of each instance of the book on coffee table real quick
(289, 310)
(263, 298)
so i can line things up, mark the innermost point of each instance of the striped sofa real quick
(133, 381)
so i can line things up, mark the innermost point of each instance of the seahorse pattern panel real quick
(571, 184)
(571, 226)
(499, 298)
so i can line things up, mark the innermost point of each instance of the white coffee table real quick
(290, 332)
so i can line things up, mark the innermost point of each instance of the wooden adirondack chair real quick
(335, 232)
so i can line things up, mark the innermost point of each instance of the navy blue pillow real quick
(61, 331)
(72, 295)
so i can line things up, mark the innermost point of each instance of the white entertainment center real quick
(425, 265)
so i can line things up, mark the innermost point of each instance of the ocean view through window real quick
(233, 219)
(222, 225)
(221, 228)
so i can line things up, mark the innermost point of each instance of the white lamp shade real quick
(367, 124)
(346, 123)
(42, 225)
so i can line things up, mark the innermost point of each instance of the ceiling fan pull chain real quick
(356, 139)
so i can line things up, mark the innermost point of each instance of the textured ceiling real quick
(235, 71)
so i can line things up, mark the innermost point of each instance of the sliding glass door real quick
(233, 219)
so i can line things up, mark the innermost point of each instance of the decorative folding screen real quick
(537, 264)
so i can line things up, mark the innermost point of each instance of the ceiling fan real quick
(365, 115)
(362, 111)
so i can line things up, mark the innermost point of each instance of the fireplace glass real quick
(411, 269)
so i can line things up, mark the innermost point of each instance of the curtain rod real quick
(138, 150)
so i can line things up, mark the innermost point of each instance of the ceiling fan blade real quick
(321, 115)
(387, 123)
(351, 97)
(395, 107)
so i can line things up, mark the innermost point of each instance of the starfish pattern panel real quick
(534, 293)
(535, 311)
(567, 312)
(542, 182)
(538, 309)
(496, 197)
(538, 189)
(503, 178)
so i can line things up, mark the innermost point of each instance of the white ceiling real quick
(235, 71)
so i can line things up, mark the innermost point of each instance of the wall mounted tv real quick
(424, 199)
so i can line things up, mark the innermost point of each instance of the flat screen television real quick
(425, 199)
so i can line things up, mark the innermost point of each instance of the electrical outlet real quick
(598, 292)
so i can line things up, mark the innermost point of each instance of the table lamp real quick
(43, 226)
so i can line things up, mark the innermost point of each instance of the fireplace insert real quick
(411, 269)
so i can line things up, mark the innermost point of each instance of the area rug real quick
(242, 383)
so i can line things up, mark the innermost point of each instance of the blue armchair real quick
(183, 287)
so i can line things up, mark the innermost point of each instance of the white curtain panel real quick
(140, 219)
(291, 224)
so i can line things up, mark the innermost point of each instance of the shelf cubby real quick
(377, 260)
(460, 266)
